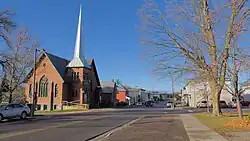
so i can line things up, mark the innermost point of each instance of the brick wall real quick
(46, 69)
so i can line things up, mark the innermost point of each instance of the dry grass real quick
(229, 122)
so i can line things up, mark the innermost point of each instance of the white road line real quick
(190, 111)
(107, 134)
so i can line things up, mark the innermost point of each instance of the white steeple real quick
(79, 59)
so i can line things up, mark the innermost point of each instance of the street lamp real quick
(34, 98)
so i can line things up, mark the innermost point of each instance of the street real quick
(157, 123)
(88, 125)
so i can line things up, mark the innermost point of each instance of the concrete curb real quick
(104, 135)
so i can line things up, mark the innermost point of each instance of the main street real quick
(82, 126)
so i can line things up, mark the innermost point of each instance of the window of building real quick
(45, 107)
(43, 87)
(52, 88)
(77, 75)
(85, 90)
(56, 90)
(38, 107)
(86, 77)
(30, 90)
(55, 107)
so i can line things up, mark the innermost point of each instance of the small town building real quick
(197, 90)
(60, 81)
(121, 95)
(108, 94)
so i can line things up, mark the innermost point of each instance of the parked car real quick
(139, 104)
(232, 104)
(149, 104)
(169, 104)
(8, 111)
(245, 103)
(223, 104)
(202, 104)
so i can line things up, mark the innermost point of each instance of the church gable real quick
(45, 67)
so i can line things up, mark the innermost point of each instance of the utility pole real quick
(34, 98)
(173, 92)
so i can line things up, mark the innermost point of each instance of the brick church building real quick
(59, 80)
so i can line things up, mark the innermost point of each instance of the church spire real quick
(79, 59)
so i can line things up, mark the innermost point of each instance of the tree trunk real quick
(207, 104)
(215, 99)
(239, 107)
(10, 97)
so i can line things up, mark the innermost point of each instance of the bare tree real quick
(6, 24)
(240, 64)
(193, 36)
(19, 60)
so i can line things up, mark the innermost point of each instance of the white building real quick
(196, 91)
(137, 95)
(145, 96)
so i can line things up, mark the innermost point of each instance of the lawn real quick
(219, 123)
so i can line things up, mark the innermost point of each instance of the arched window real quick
(52, 88)
(77, 75)
(56, 90)
(43, 87)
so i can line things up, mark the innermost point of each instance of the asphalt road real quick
(152, 128)
(82, 126)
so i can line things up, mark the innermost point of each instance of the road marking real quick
(8, 135)
(190, 111)
(106, 134)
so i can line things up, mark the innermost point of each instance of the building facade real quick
(196, 91)
(60, 81)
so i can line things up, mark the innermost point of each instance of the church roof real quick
(59, 63)
(107, 86)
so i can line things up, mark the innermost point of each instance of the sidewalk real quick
(199, 132)
(152, 128)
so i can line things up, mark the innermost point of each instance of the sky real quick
(110, 29)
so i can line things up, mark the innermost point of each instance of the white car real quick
(14, 110)
(202, 104)
(139, 104)
(170, 104)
